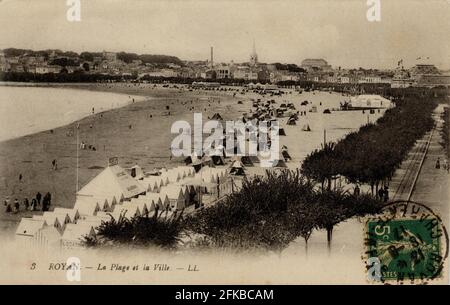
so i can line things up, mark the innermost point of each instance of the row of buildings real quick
(314, 70)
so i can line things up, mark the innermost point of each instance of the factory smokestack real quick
(212, 57)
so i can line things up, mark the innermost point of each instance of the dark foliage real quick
(157, 230)
(271, 212)
(373, 153)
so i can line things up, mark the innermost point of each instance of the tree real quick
(157, 230)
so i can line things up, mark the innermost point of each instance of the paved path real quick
(432, 187)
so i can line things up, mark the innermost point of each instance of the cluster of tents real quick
(116, 193)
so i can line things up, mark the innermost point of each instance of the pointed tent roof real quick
(72, 213)
(76, 232)
(237, 164)
(112, 179)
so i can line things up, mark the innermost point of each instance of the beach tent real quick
(72, 213)
(175, 195)
(141, 205)
(254, 159)
(189, 170)
(279, 163)
(291, 121)
(86, 206)
(281, 132)
(74, 234)
(51, 220)
(217, 117)
(97, 218)
(63, 218)
(246, 161)
(127, 210)
(29, 226)
(189, 194)
(154, 200)
(47, 238)
(173, 176)
(286, 155)
(150, 184)
(306, 127)
(237, 168)
(136, 172)
(113, 180)
(218, 160)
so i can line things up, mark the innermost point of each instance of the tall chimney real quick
(212, 57)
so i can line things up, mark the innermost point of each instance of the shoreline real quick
(121, 100)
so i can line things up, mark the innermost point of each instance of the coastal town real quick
(34, 65)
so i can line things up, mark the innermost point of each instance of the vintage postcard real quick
(224, 142)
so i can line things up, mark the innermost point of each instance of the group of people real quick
(383, 193)
(84, 146)
(445, 165)
(38, 203)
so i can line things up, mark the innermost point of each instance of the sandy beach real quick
(139, 133)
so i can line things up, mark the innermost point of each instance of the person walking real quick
(33, 204)
(54, 165)
(438, 163)
(7, 204)
(26, 204)
(38, 198)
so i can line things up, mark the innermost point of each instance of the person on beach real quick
(33, 206)
(16, 206)
(438, 163)
(38, 198)
(26, 204)
(7, 205)
(54, 165)
(46, 202)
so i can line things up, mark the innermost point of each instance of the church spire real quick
(254, 56)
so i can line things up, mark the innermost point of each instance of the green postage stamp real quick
(406, 243)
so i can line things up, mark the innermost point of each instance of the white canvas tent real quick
(112, 181)
(152, 183)
(175, 195)
(126, 209)
(74, 234)
(47, 238)
(87, 206)
(28, 227)
(72, 213)
(136, 172)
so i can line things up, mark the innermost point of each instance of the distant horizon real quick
(284, 31)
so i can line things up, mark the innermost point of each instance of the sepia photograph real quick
(224, 142)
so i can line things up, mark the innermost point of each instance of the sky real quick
(286, 31)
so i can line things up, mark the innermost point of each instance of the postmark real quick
(406, 243)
